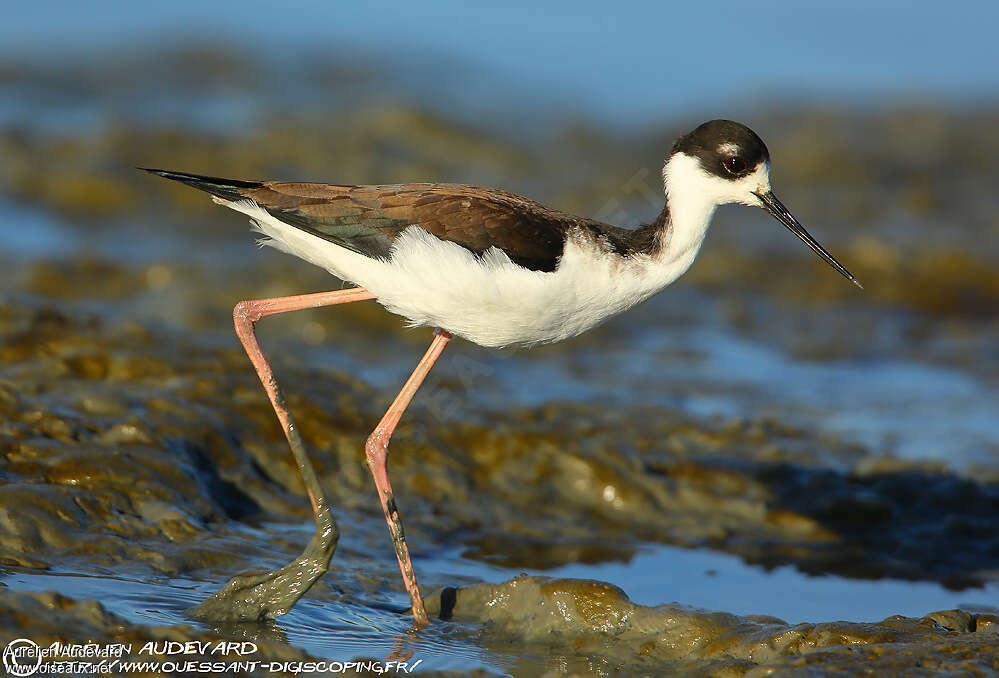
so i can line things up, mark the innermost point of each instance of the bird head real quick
(723, 162)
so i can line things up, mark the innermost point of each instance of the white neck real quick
(692, 195)
(690, 210)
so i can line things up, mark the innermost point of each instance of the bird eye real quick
(735, 164)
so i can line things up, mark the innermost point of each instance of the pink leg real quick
(376, 450)
(245, 317)
(254, 597)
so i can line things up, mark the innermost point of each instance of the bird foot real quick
(254, 597)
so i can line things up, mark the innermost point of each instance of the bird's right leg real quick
(253, 597)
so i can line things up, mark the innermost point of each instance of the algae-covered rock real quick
(572, 619)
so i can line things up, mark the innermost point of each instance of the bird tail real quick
(227, 189)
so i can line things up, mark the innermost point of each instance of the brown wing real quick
(367, 219)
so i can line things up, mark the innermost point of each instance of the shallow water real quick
(891, 407)
(699, 577)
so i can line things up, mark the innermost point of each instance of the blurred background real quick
(758, 424)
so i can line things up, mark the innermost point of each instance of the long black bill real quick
(776, 208)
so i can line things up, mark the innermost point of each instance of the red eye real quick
(735, 164)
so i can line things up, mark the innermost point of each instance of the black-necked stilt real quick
(492, 267)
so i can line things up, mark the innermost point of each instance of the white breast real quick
(488, 300)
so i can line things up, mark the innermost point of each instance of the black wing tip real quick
(163, 173)
(190, 177)
(223, 188)
(178, 176)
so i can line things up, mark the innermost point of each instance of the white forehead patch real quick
(728, 148)
(686, 181)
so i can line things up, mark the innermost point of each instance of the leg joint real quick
(246, 312)
(375, 448)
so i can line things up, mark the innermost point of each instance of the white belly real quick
(488, 300)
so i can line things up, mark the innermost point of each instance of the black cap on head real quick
(725, 148)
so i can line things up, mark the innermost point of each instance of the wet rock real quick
(575, 466)
(150, 438)
(48, 618)
(594, 620)
(128, 460)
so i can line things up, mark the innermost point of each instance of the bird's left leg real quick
(376, 451)
(252, 597)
